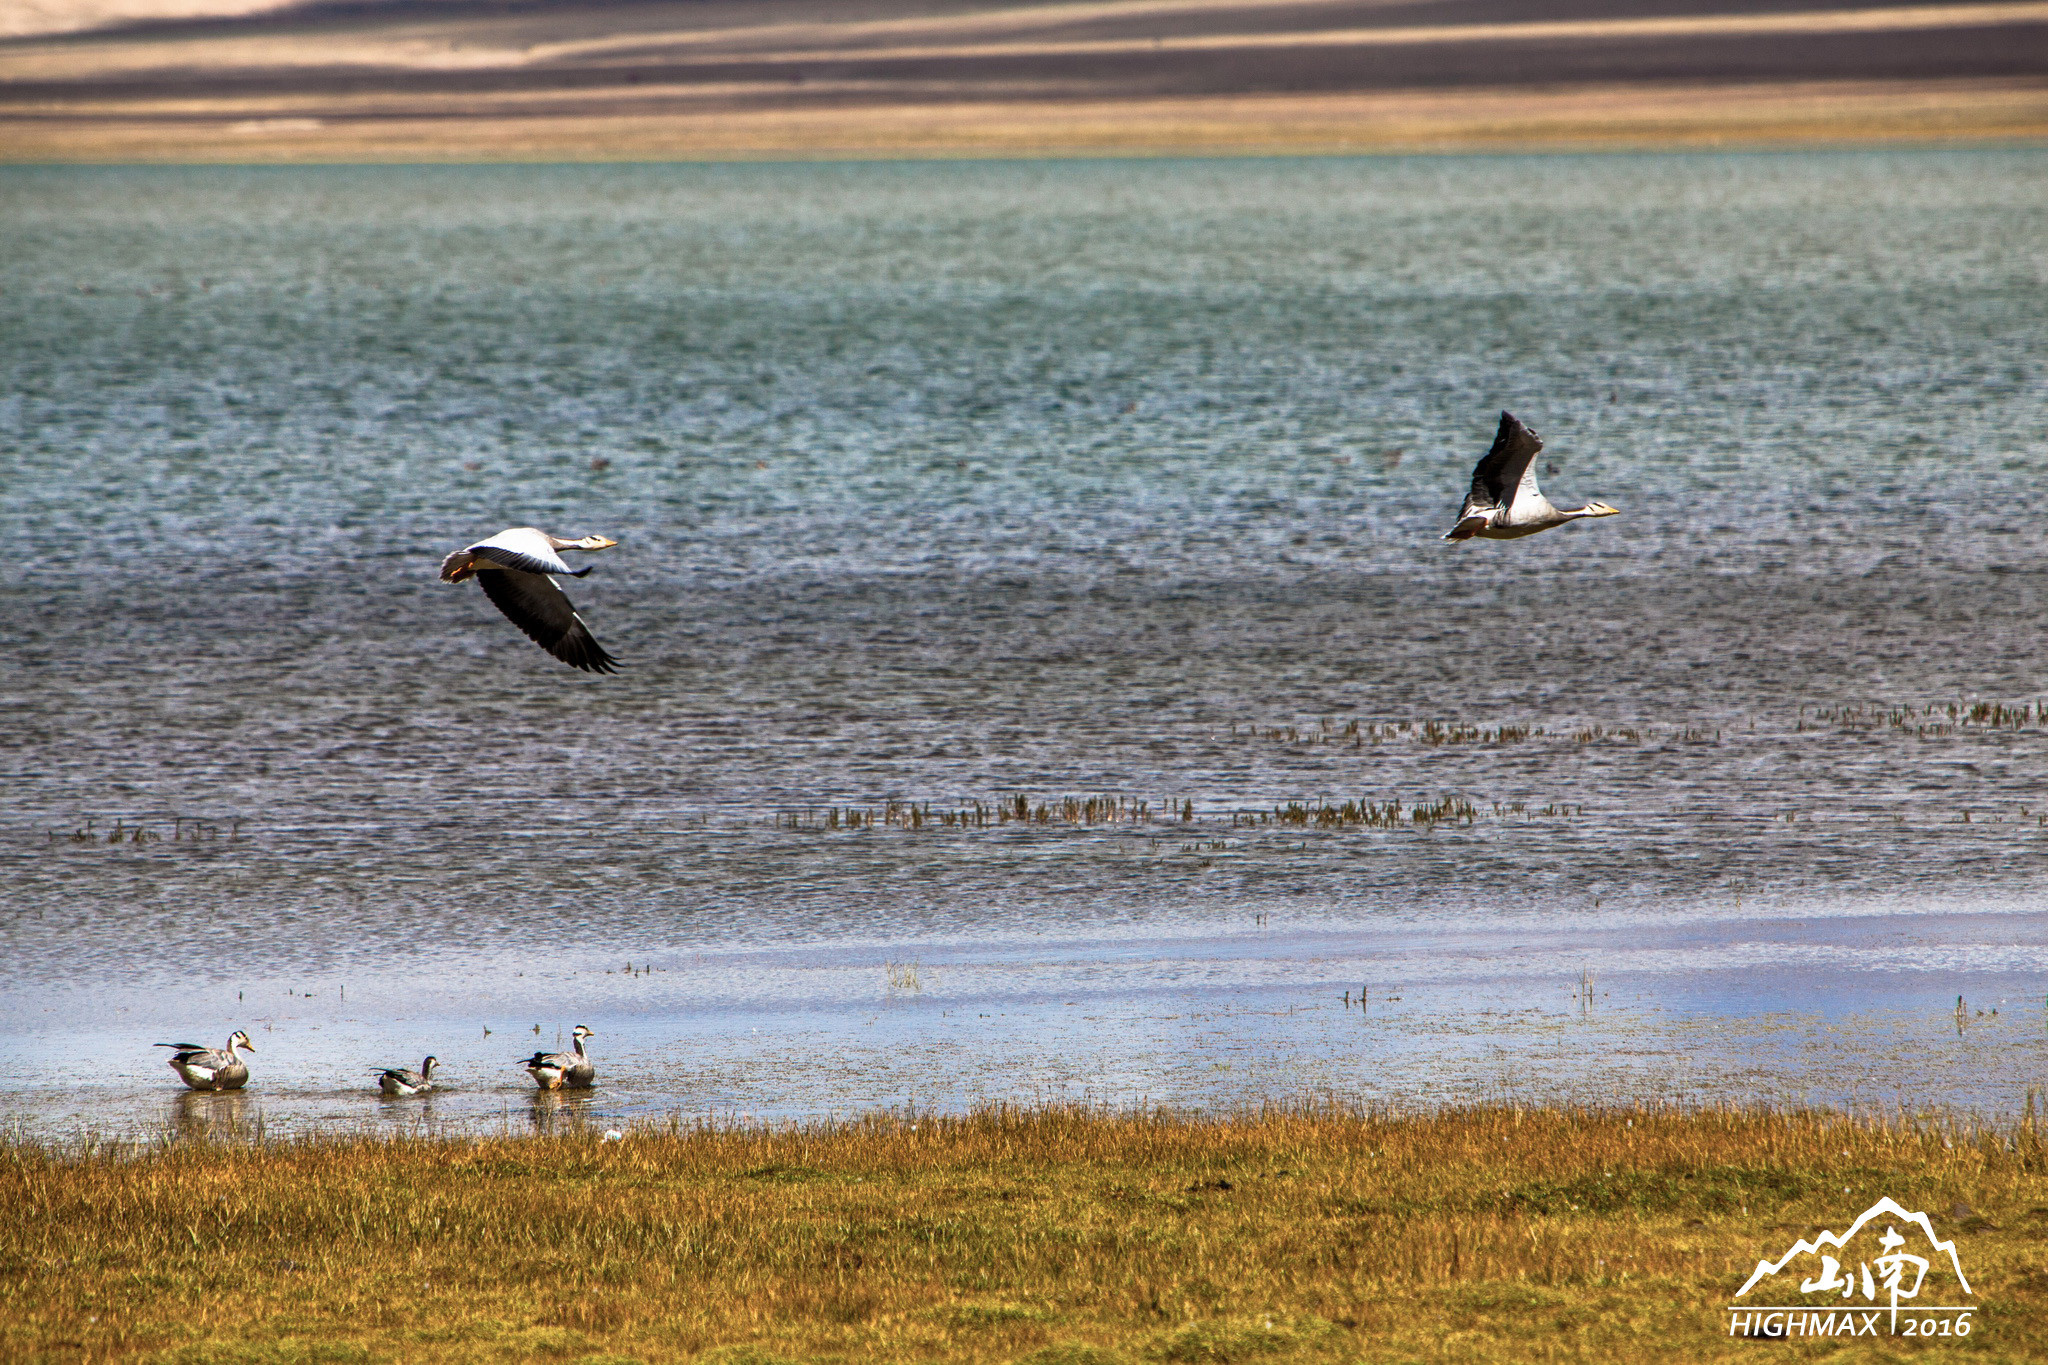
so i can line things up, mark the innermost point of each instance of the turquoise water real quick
(946, 483)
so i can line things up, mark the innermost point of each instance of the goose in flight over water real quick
(207, 1068)
(1505, 503)
(515, 569)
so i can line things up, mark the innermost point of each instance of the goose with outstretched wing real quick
(516, 569)
(1505, 503)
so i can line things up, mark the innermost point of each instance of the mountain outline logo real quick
(1846, 1275)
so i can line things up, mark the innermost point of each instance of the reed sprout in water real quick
(1925, 720)
(1932, 720)
(1014, 810)
(1387, 814)
(183, 830)
(1360, 733)
(1098, 811)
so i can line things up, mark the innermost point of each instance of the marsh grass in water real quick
(1935, 719)
(1304, 1234)
(1926, 720)
(182, 830)
(1090, 811)
(1011, 810)
(1387, 814)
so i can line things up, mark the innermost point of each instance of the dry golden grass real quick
(1061, 1238)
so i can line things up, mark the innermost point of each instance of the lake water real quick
(940, 484)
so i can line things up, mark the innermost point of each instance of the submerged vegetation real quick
(1311, 1234)
(1928, 720)
(1013, 810)
(1447, 762)
(1073, 811)
(1374, 815)
(1936, 719)
(1359, 733)
(183, 830)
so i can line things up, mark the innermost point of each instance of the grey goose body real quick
(557, 1070)
(209, 1068)
(402, 1081)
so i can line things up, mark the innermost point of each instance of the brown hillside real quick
(803, 78)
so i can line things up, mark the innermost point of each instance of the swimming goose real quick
(401, 1082)
(205, 1068)
(514, 568)
(1505, 503)
(553, 1070)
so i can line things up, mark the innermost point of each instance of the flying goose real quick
(514, 568)
(398, 1081)
(1505, 503)
(553, 1070)
(205, 1068)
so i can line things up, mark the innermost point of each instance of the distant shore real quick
(792, 79)
(1566, 120)
(1065, 1236)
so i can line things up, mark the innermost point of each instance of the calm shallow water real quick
(946, 483)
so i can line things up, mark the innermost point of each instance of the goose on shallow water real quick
(515, 569)
(553, 1070)
(1505, 503)
(206, 1068)
(398, 1081)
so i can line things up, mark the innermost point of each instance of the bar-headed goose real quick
(554, 1070)
(399, 1081)
(1505, 503)
(206, 1068)
(515, 568)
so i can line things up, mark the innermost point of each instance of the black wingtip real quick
(586, 654)
(1513, 427)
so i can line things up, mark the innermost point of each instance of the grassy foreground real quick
(1059, 1238)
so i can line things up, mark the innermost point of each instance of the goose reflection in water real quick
(557, 1113)
(213, 1116)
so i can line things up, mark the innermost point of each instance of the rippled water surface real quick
(940, 485)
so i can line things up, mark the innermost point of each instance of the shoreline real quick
(224, 1121)
(1215, 1022)
(1584, 119)
(795, 79)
